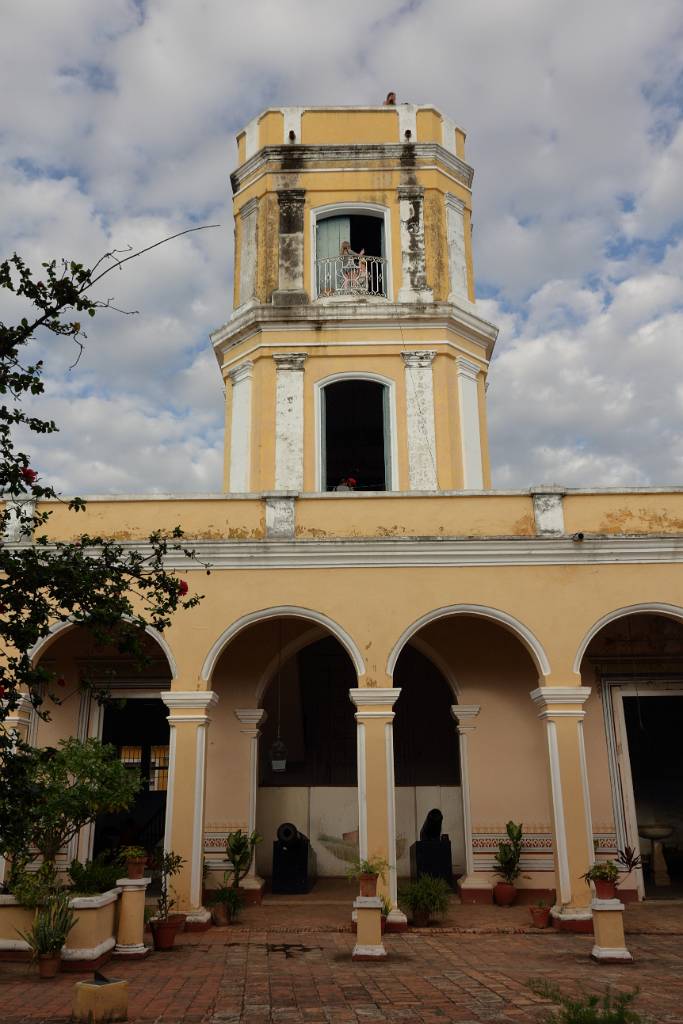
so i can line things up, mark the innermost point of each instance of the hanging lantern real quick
(278, 756)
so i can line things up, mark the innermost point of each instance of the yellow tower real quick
(354, 356)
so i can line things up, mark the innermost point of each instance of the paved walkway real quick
(241, 975)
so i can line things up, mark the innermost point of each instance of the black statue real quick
(432, 825)
(294, 862)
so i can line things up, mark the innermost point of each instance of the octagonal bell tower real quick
(354, 357)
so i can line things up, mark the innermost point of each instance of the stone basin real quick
(655, 831)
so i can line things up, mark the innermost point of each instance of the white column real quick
(251, 719)
(240, 427)
(457, 263)
(188, 707)
(248, 251)
(470, 435)
(464, 715)
(374, 706)
(289, 421)
(561, 708)
(421, 431)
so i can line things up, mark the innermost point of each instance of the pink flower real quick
(183, 588)
(29, 475)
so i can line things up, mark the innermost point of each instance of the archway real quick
(99, 692)
(284, 676)
(633, 659)
(471, 675)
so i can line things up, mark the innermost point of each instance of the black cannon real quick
(294, 862)
(431, 854)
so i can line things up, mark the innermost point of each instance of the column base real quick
(252, 886)
(573, 919)
(415, 296)
(368, 952)
(136, 951)
(396, 922)
(475, 890)
(198, 920)
(605, 955)
(290, 297)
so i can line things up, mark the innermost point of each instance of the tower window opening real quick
(355, 435)
(350, 256)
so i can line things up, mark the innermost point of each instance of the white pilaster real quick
(240, 428)
(251, 719)
(470, 434)
(464, 715)
(407, 122)
(289, 421)
(419, 381)
(190, 706)
(455, 236)
(548, 510)
(413, 266)
(248, 251)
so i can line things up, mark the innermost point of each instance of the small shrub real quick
(509, 854)
(607, 872)
(606, 1009)
(51, 925)
(429, 895)
(373, 866)
(34, 888)
(98, 875)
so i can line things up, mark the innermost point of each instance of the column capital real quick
(466, 368)
(419, 357)
(241, 372)
(566, 700)
(193, 705)
(290, 360)
(411, 192)
(249, 207)
(373, 696)
(454, 202)
(251, 719)
(463, 715)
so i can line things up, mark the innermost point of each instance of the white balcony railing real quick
(351, 275)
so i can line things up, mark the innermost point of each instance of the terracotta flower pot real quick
(164, 933)
(49, 964)
(605, 890)
(504, 893)
(540, 916)
(135, 867)
(420, 918)
(368, 885)
(220, 915)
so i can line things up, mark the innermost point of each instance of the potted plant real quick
(51, 925)
(425, 898)
(367, 872)
(507, 859)
(386, 910)
(540, 914)
(135, 859)
(226, 902)
(604, 878)
(165, 925)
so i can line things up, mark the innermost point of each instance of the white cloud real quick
(121, 131)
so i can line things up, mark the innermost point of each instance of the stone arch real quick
(59, 628)
(282, 611)
(523, 633)
(670, 611)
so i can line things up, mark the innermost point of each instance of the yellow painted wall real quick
(271, 128)
(429, 125)
(349, 126)
(616, 513)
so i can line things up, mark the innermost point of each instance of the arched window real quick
(355, 435)
(350, 254)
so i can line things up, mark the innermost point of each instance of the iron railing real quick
(351, 275)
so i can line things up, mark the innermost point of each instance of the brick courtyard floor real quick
(472, 971)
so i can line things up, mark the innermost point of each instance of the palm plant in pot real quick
(52, 923)
(540, 914)
(604, 878)
(164, 924)
(507, 860)
(226, 902)
(368, 872)
(425, 898)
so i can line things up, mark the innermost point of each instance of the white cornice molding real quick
(400, 552)
(467, 368)
(252, 717)
(419, 357)
(372, 696)
(189, 699)
(290, 360)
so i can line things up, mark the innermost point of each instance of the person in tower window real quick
(348, 483)
(354, 268)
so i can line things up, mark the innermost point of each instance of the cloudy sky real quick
(117, 127)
